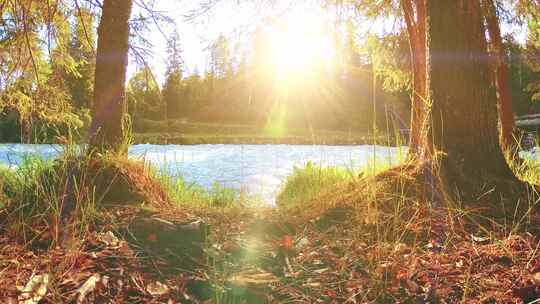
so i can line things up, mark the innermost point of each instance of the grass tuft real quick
(312, 180)
(306, 183)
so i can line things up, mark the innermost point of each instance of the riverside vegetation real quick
(336, 235)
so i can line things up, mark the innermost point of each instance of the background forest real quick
(47, 77)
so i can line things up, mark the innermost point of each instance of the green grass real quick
(527, 170)
(34, 192)
(195, 195)
(308, 182)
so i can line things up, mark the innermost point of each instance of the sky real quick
(231, 18)
(234, 19)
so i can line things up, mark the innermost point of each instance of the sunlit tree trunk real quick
(414, 13)
(506, 115)
(107, 130)
(463, 122)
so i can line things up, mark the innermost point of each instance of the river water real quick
(258, 170)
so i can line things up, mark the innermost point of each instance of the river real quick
(259, 170)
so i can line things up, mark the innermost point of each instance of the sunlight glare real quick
(300, 44)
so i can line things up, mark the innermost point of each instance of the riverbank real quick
(188, 133)
(340, 138)
(353, 238)
(256, 170)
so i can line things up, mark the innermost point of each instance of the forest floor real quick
(361, 241)
(191, 133)
(260, 256)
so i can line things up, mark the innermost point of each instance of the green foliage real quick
(41, 115)
(390, 57)
(175, 63)
(174, 99)
(521, 76)
(21, 46)
(28, 186)
(194, 195)
(144, 96)
(533, 50)
(40, 95)
(308, 182)
(173, 95)
(80, 80)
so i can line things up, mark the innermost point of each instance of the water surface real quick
(258, 170)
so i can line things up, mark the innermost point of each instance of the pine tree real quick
(144, 96)
(82, 50)
(221, 63)
(107, 129)
(174, 105)
(463, 121)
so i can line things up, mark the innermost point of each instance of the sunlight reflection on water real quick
(258, 170)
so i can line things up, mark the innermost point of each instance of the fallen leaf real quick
(109, 239)
(287, 242)
(152, 237)
(332, 294)
(319, 271)
(88, 287)
(303, 242)
(157, 289)
(312, 284)
(253, 278)
(536, 278)
(479, 239)
(35, 289)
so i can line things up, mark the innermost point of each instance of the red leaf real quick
(332, 294)
(152, 237)
(287, 242)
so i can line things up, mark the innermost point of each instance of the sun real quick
(299, 43)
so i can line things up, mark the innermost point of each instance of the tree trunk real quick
(415, 22)
(506, 114)
(107, 130)
(464, 103)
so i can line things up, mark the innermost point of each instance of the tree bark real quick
(415, 23)
(463, 124)
(107, 129)
(506, 114)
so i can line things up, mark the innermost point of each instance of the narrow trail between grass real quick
(251, 256)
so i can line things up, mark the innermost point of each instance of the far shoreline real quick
(142, 139)
(192, 139)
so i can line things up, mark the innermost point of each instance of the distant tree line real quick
(237, 87)
(47, 80)
(240, 86)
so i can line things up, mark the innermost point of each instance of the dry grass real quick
(377, 239)
(394, 238)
